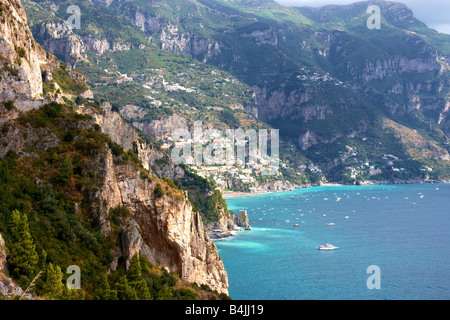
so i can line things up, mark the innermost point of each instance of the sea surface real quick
(404, 230)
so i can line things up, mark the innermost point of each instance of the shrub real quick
(9, 105)
(159, 193)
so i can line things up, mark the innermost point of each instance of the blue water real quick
(390, 226)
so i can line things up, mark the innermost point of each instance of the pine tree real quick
(53, 284)
(65, 170)
(42, 259)
(142, 291)
(23, 256)
(134, 272)
(103, 290)
(164, 294)
(137, 281)
(15, 225)
(124, 290)
(72, 294)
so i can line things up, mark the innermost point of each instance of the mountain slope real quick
(72, 195)
(319, 75)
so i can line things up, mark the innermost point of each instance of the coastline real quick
(231, 194)
(217, 235)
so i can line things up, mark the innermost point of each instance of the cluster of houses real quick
(319, 77)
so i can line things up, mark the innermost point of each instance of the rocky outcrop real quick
(164, 228)
(23, 141)
(267, 36)
(58, 39)
(382, 69)
(132, 243)
(279, 103)
(20, 72)
(126, 135)
(169, 35)
(161, 129)
(275, 186)
(173, 41)
(242, 220)
(3, 255)
(8, 288)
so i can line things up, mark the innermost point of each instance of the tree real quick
(23, 256)
(142, 290)
(72, 294)
(42, 258)
(136, 280)
(53, 284)
(134, 272)
(65, 170)
(103, 290)
(164, 294)
(124, 290)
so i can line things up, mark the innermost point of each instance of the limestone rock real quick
(3, 255)
(242, 220)
(20, 72)
(124, 134)
(166, 229)
(8, 287)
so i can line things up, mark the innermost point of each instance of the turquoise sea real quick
(402, 229)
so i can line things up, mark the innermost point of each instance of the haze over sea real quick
(402, 229)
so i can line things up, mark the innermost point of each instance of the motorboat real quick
(327, 246)
(330, 224)
(296, 225)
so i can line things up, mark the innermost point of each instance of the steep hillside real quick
(319, 75)
(156, 90)
(72, 195)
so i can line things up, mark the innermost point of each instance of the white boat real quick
(327, 246)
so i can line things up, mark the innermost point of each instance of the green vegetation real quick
(67, 83)
(204, 196)
(284, 52)
(49, 217)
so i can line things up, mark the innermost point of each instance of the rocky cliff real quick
(126, 135)
(163, 225)
(3, 254)
(164, 229)
(19, 55)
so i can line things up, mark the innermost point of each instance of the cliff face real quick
(19, 55)
(170, 232)
(3, 254)
(124, 134)
(165, 230)
(58, 39)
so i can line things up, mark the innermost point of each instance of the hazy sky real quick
(434, 13)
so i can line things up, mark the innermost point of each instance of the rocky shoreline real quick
(228, 227)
